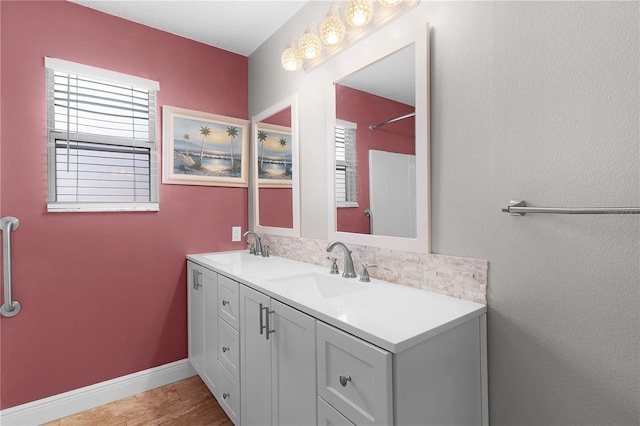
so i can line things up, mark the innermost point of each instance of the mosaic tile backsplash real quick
(454, 276)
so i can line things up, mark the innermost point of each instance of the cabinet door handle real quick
(344, 380)
(196, 279)
(225, 395)
(225, 302)
(262, 326)
(268, 312)
(225, 348)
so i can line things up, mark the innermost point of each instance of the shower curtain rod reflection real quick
(519, 208)
(384, 123)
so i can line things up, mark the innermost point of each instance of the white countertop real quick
(391, 316)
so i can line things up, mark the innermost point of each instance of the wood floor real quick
(184, 403)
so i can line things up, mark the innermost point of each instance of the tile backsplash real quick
(454, 276)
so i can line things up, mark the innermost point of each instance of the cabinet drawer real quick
(229, 348)
(329, 416)
(354, 377)
(228, 301)
(229, 395)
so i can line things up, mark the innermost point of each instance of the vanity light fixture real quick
(390, 3)
(332, 29)
(363, 18)
(358, 13)
(292, 58)
(310, 45)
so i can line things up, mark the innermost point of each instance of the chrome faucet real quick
(258, 243)
(349, 271)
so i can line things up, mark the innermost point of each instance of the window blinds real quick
(102, 138)
(346, 171)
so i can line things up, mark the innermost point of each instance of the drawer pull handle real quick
(225, 302)
(225, 348)
(344, 380)
(225, 395)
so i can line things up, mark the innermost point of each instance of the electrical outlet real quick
(235, 233)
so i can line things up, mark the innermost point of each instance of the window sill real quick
(102, 207)
(346, 204)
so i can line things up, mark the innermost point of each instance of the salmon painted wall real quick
(103, 294)
(364, 109)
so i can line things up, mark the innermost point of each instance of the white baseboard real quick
(68, 403)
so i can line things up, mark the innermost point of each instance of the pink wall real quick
(276, 207)
(282, 118)
(364, 109)
(103, 294)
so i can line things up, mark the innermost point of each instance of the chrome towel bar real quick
(10, 307)
(519, 208)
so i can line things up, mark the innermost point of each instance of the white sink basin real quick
(317, 284)
(244, 264)
(232, 258)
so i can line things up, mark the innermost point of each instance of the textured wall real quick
(103, 294)
(531, 100)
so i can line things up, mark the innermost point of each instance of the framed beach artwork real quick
(274, 156)
(204, 149)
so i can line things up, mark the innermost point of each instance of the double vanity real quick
(284, 342)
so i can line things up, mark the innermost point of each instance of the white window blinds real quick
(102, 151)
(346, 167)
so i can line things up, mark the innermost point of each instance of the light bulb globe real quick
(310, 45)
(332, 30)
(358, 13)
(291, 59)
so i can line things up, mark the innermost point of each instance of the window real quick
(102, 153)
(346, 168)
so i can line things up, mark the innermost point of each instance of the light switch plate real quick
(235, 233)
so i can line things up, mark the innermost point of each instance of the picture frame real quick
(274, 156)
(200, 148)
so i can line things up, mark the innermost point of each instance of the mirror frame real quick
(422, 242)
(292, 102)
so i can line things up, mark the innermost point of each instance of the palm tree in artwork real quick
(186, 141)
(232, 132)
(205, 131)
(283, 144)
(262, 137)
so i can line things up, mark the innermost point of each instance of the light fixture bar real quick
(381, 17)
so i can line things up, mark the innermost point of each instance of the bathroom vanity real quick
(284, 342)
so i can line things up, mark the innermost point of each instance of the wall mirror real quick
(379, 150)
(274, 160)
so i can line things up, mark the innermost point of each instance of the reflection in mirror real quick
(275, 169)
(375, 148)
(392, 87)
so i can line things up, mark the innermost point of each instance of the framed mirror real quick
(379, 149)
(274, 164)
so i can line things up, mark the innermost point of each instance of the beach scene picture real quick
(274, 154)
(206, 149)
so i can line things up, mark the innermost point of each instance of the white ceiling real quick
(238, 26)
(241, 26)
